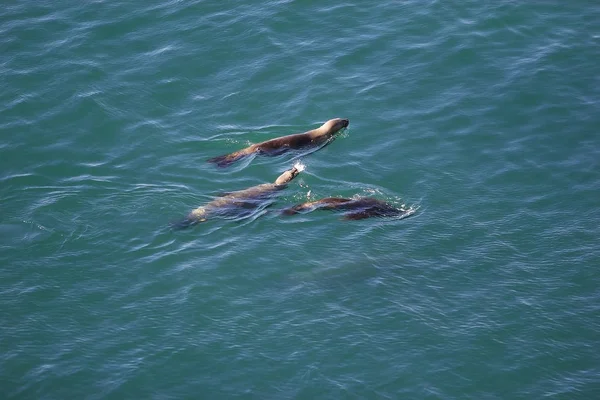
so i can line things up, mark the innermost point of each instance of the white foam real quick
(299, 166)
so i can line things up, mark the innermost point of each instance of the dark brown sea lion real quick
(360, 208)
(313, 138)
(239, 202)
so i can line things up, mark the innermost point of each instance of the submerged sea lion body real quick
(360, 208)
(312, 138)
(235, 203)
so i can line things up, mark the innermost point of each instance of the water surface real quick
(485, 116)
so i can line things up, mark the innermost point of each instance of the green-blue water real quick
(485, 115)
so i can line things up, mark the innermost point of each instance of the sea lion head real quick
(334, 125)
(287, 176)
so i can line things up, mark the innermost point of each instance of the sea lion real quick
(361, 207)
(312, 138)
(236, 203)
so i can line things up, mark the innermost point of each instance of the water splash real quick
(299, 166)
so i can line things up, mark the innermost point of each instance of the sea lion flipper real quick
(227, 159)
(294, 209)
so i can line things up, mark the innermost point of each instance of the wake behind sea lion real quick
(239, 202)
(360, 208)
(312, 138)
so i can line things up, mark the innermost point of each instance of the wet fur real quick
(364, 207)
(280, 145)
(237, 202)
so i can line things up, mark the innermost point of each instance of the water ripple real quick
(482, 115)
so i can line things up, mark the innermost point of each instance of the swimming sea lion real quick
(280, 145)
(362, 207)
(236, 203)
